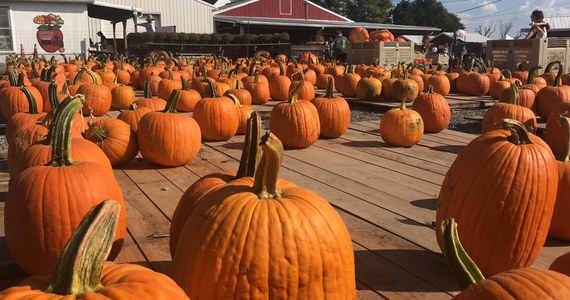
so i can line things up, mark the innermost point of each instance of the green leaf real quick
(56, 27)
(43, 27)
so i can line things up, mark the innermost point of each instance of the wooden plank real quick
(131, 253)
(363, 292)
(144, 221)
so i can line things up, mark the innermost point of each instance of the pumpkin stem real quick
(265, 182)
(558, 75)
(31, 100)
(330, 87)
(430, 90)
(532, 74)
(550, 65)
(80, 265)
(519, 134)
(133, 106)
(239, 85)
(515, 96)
(98, 132)
(212, 85)
(564, 154)
(465, 270)
(172, 102)
(60, 132)
(147, 90)
(281, 69)
(294, 96)
(52, 92)
(184, 84)
(251, 153)
(252, 68)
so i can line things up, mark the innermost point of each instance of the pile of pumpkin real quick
(52, 229)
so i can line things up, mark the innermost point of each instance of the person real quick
(446, 48)
(459, 39)
(149, 25)
(104, 43)
(328, 48)
(340, 48)
(539, 27)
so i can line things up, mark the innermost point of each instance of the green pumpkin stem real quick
(35, 71)
(60, 132)
(79, 77)
(551, 65)
(133, 106)
(330, 88)
(172, 102)
(52, 92)
(252, 68)
(256, 80)
(251, 153)
(558, 75)
(465, 270)
(519, 134)
(281, 69)
(239, 85)
(564, 153)
(31, 100)
(212, 86)
(515, 96)
(147, 90)
(98, 132)
(294, 96)
(80, 266)
(430, 90)
(184, 83)
(507, 73)
(265, 181)
(532, 74)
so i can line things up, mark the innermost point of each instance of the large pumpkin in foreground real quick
(501, 189)
(265, 239)
(82, 272)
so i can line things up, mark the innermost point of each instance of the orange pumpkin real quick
(216, 116)
(154, 104)
(401, 126)
(244, 112)
(434, 110)
(260, 92)
(551, 96)
(115, 138)
(37, 235)
(283, 209)
(523, 283)
(82, 272)
(368, 89)
(160, 135)
(122, 96)
(359, 35)
(98, 97)
(512, 110)
(133, 115)
(334, 113)
(517, 208)
(295, 122)
(440, 84)
(279, 85)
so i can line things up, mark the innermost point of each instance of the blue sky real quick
(516, 12)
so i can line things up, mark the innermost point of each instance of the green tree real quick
(425, 13)
(373, 11)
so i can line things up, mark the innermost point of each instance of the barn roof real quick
(472, 37)
(321, 23)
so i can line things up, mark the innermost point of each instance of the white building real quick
(70, 26)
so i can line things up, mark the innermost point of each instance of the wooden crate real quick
(507, 54)
(386, 53)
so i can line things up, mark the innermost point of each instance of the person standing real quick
(341, 44)
(149, 25)
(459, 39)
(328, 49)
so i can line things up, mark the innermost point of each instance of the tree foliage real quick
(373, 11)
(425, 13)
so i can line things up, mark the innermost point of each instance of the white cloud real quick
(490, 8)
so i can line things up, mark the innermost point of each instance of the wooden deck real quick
(386, 196)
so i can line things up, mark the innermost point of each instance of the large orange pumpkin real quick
(98, 97)
(512, 110)
(216, 116)
(501, 189)
(275, 226)
(401, 127)
(551, 96)
(368, 88)
(359, 35)
(37, 228)
(161, 134)
(82, 272)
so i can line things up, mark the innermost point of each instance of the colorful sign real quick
(49, 36)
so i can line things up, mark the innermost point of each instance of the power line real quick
(472, 8)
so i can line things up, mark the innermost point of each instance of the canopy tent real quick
(115, 14)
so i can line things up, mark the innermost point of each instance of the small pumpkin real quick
(279, 85)
(133, 115)
(217, 116)
(400, 126)
(115, 138)
(368, 88)
(295, 122)
(122, 96)
(98, 97)
(154, 104)
(434, 110)
(334, 113)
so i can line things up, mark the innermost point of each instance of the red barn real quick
(279, 9)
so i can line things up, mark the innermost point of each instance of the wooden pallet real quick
(386, 196)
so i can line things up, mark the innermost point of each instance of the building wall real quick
(24, 30)
(285, 9)
(187, 15)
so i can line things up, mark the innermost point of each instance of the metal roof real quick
(111, 12)
(472, 37)
(417, 39)
(559, 23)
(321, 23)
